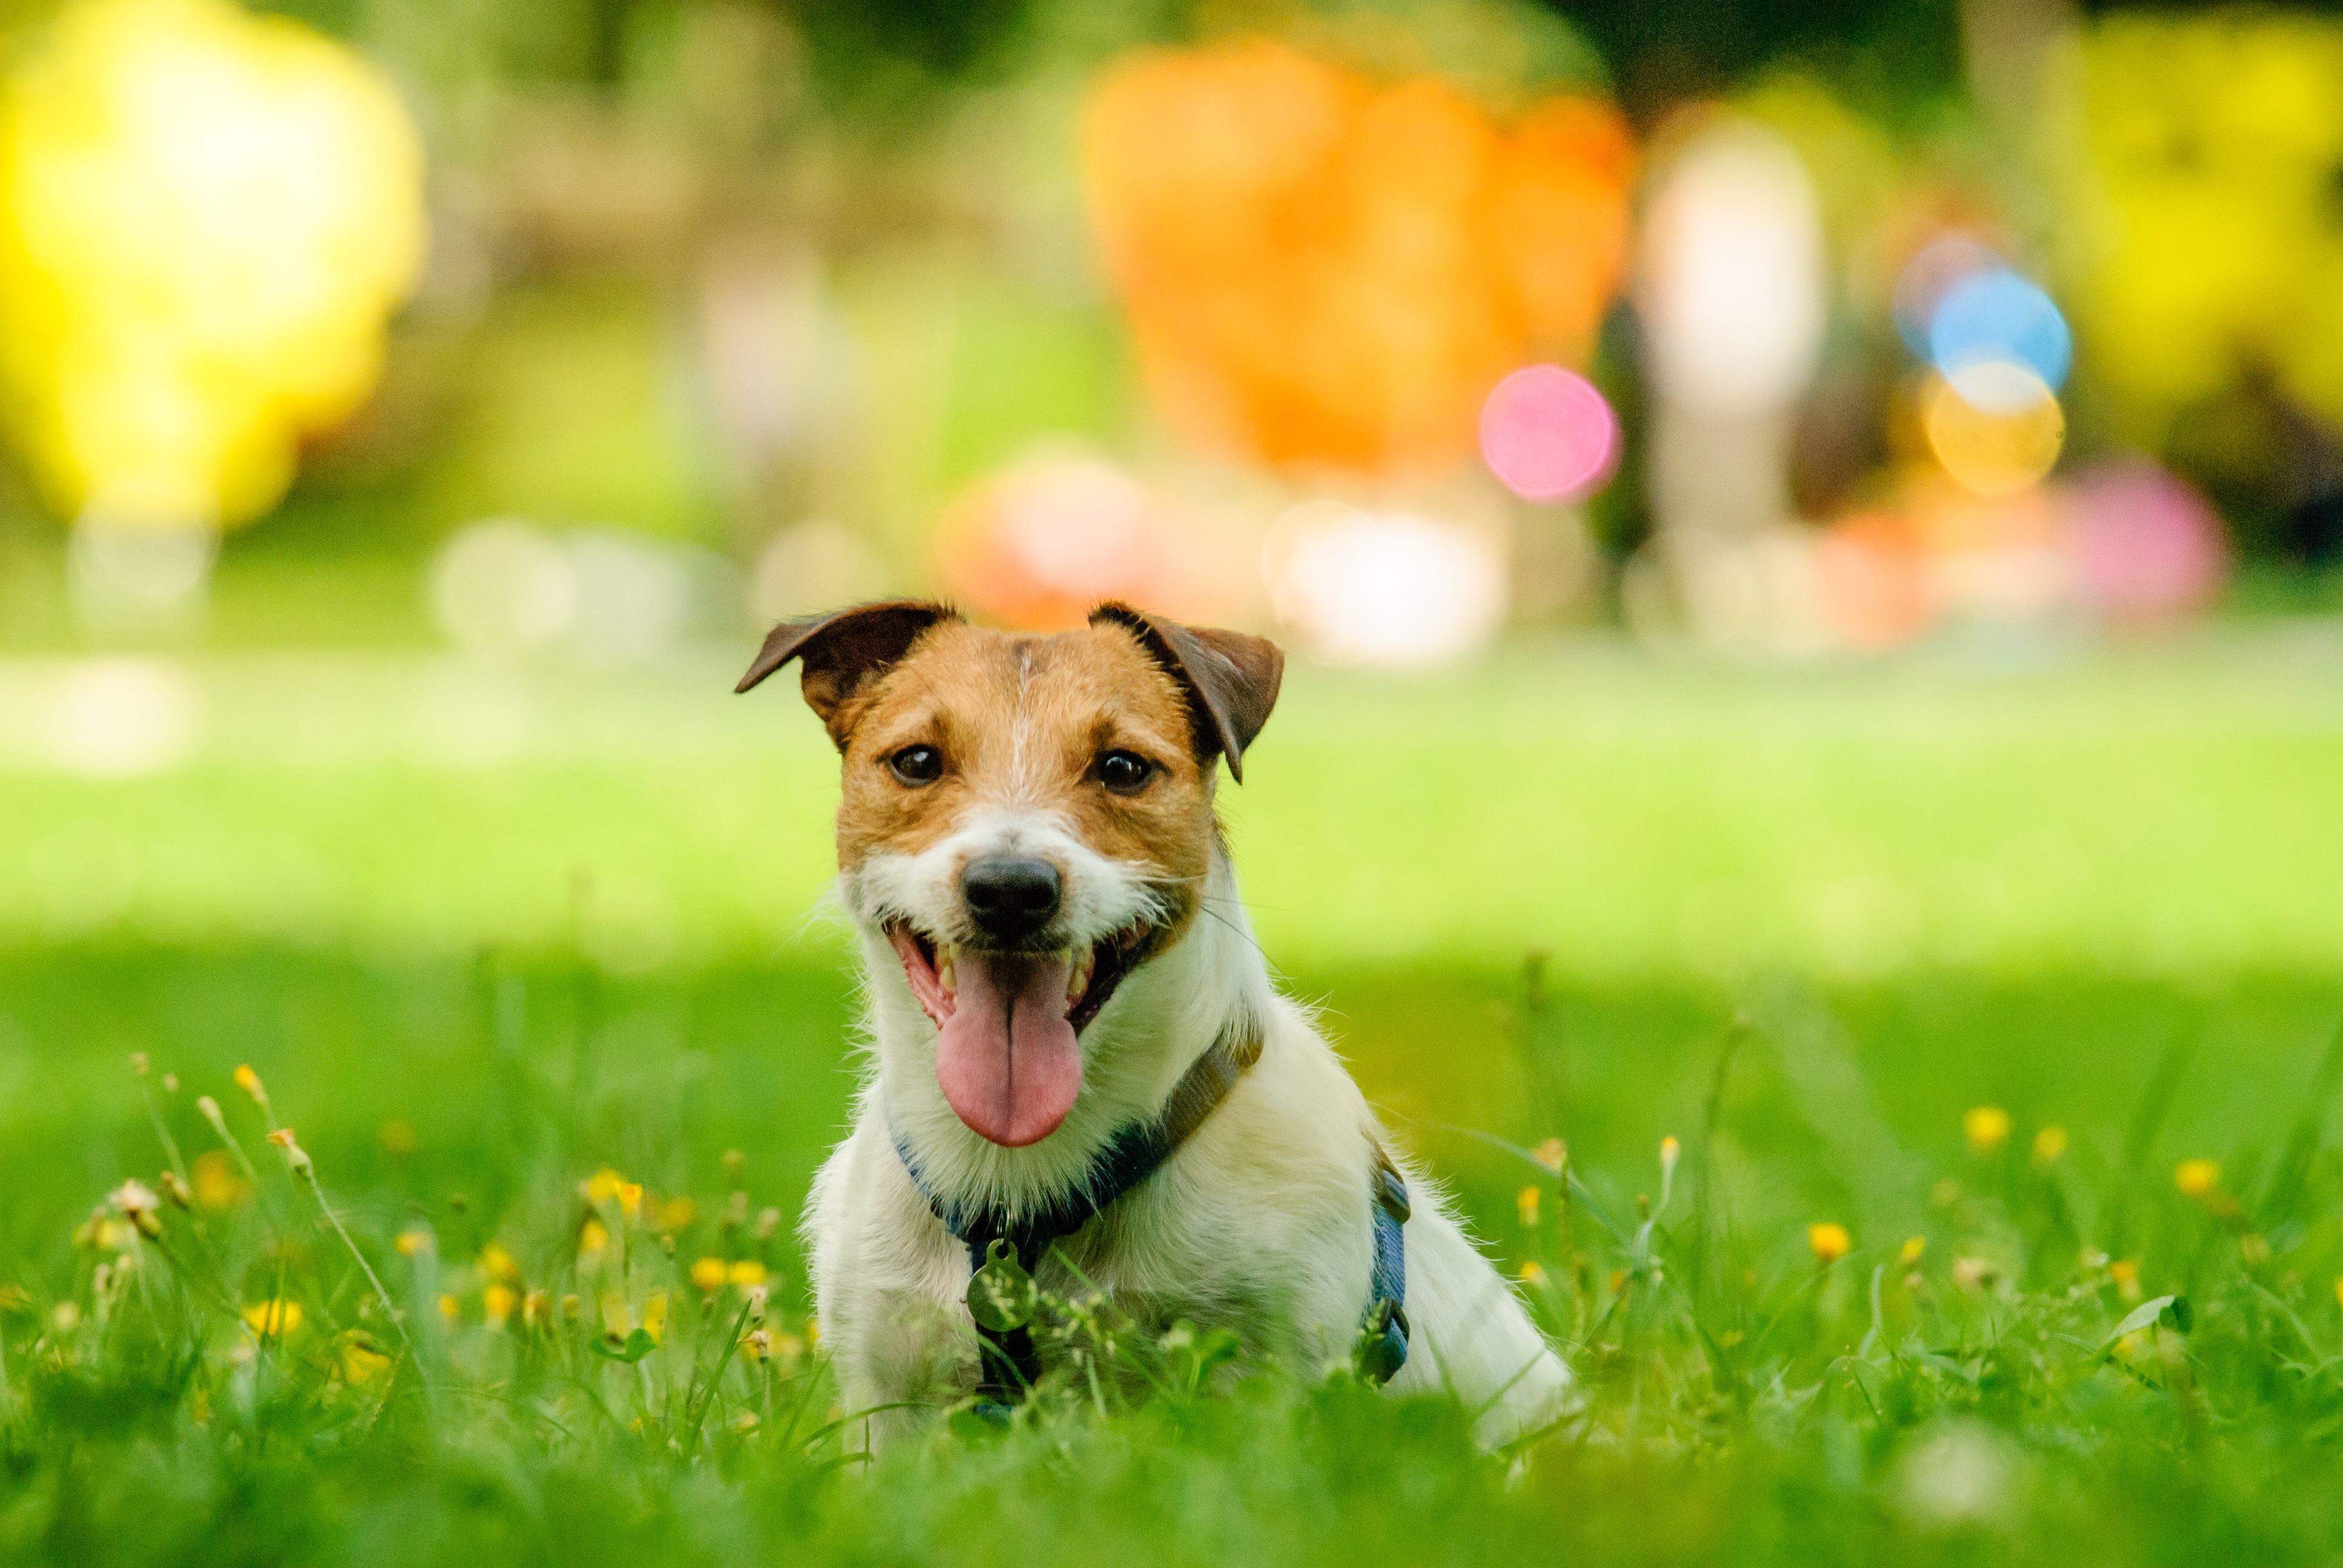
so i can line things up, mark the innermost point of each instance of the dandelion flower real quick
(2195, 1177)
(411, 1242)
(2125, 1273)
(603, 1185)
(1912, 1250)
(450, 1308)
(296, 1159)
(677, 1212)
(498, 1302)
(592, 1237)
(745, 1272)
(631, 1200)
(708, 1273)
(218, 1183)
(138, 1204)
(1986, 1128)
(249, 1082)
(1533, 1273)
(361, 1361)
(1669, 1152)
(1829, 1242)
(273, 1318)
(498, 1263)
(1526, 1201)
(2049, 1143)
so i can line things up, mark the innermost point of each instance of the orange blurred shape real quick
(1322, 270)
(1871, 581)
(1039, 545)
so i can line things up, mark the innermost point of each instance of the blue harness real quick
(1133, 1154)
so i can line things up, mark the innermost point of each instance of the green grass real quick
(484, 941)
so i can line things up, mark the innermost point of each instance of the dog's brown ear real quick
(1231, 679)
(842, 649)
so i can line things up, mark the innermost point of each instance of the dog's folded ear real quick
(1231, 679)
(844, 648)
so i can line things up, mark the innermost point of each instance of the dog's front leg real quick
(889, 1287)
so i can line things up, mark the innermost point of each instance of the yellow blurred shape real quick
(1995, 426)
(2197, 215)
(1986, 1127)
(205, 219)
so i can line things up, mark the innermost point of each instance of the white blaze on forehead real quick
(1101, 895)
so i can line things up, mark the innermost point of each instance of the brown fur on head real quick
(1091, 752)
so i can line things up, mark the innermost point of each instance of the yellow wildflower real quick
(1533, 1273)
(746, 1271)
(631, 1200)
(450, 1308)
(273, 1318)
(217, 1184)
(498, 1302)
(1913, 1248)
(1526, 1201)
(2049, 1143)
(1986, 1128)
(410, 1242)
(1553, 1154)
(498, 1263)
(361, 1361)
(708, 1273)
(249, 1082)
(655, 1316)
(296, 1159)
(1829, 1242)
(603, 1185)
(592, 1237)
(1669, 1152)
(677, 1212)
(2195, 1177)
(2125, 1273)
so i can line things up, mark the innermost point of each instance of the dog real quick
(1078, 1064)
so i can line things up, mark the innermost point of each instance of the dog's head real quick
(1028, 819)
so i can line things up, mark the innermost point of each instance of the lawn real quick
(484, 936)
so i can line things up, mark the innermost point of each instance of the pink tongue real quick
(1007, 1058)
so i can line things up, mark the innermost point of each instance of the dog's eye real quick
(917, 765)
(1125, 772)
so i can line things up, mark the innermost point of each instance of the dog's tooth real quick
(947, 974)
(1077, 975)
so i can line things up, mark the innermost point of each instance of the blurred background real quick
(1822, 507)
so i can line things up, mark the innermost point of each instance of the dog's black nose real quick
(1010, 897)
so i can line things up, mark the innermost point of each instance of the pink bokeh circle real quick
(1548, 434)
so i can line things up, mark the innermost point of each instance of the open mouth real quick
(1091, 974)
(1008, 1055)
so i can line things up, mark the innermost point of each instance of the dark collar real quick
(1133, 1154)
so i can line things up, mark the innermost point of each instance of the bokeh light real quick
(1996, 315)
(1039, 544)
(2147, 546)
(1731, 292)
(1931, 274)
(1392, 589)
(205, 219)
(1549, 434)
(1995, 427)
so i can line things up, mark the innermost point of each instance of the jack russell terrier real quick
(1078, 1057)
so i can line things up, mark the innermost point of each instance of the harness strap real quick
(1383, 1334)
(1135, 1153)
(1009, 1364)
